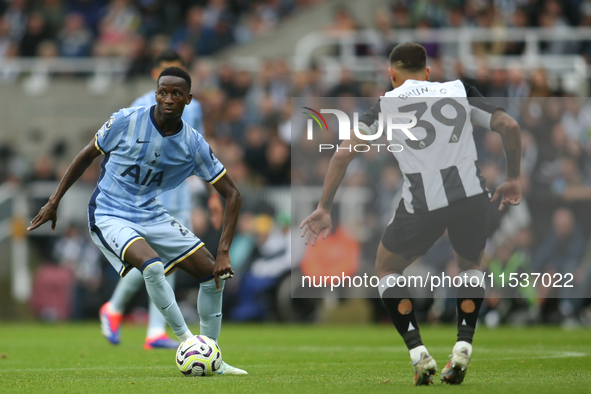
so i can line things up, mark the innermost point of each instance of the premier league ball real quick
(198, 356)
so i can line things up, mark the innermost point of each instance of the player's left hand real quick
(316, 223)
(222, 268)
(47, 213)
(216, 210)
(510, 192)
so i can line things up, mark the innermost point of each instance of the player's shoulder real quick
(120, 119)
(193, 136)
(127, 112)
(144, 100)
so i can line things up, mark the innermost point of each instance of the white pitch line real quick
(557, 354)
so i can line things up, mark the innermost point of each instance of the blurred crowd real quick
(78, 28)
(248, 122)
(553, 15)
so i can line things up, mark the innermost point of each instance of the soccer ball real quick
(198, 356)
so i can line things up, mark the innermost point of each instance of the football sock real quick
(468, 301)
(163, 297)
(125, 290)
(156, 322)
(415, 354)
(399, 306)
(209, 306)
(461, 344)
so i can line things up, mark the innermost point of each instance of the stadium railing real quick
(459, 47)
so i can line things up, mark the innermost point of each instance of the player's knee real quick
(473, 287)
(153, 270)
(210, 286)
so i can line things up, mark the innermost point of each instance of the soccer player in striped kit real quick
(442, 190)
(149, 150)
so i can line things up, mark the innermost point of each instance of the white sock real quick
(126, 288)
(156, 322)
(415, 353)
(163, 297)
(209, 306)
(461, 344)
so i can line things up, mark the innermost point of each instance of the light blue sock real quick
(162, 296)
(209, 306)
(126, 288)
(156, 322)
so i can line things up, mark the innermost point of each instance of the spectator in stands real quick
(153, 16)
(16, 16)
(36, 32)
(76, 252)
(193, 35)
(563, 247)
(117, 29)
(53, 12)
(7, 47)
(75, 39)
(91, 10)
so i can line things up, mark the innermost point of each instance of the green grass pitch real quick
(74, 358)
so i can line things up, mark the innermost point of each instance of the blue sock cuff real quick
(148, 262)
(206, 279)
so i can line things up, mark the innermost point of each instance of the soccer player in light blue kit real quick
(178, 204)
(149, 150)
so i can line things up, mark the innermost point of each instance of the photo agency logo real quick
(362, 131)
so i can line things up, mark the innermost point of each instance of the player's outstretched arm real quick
(226, 187)
(320, 219)
(74, 171)
(508, 128)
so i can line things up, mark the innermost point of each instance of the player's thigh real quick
(408, 236)
(116, 237)
(468, 229)
(199, 264)
(172, 241)
(139, 252)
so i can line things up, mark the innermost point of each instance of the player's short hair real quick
(409, 56)
(168, 56)
(175, 72)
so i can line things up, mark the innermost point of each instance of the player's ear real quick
(427, 73)
(393, 74)
(189, 98)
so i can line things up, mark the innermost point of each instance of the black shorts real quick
(466, 222)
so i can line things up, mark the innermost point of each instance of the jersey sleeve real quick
(108, 136)
(207, 165)
(368, 122)
(481, 109)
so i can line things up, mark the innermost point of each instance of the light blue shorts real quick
(172, 241)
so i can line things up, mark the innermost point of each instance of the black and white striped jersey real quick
(440, 167)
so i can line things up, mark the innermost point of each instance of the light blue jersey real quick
(141, 162)
(178, 200)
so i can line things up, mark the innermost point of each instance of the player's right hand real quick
(316, 223)
(47, 213)
(510, 193)
(222, 269)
